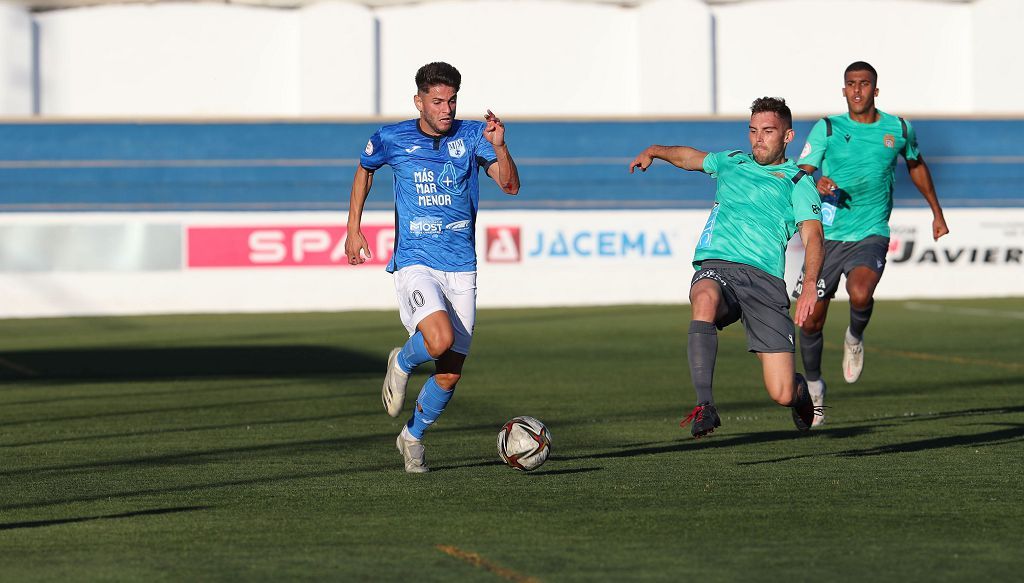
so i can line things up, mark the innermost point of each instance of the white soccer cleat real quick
(817, 391)
(853, 358)
(413, 454)
(395, 381)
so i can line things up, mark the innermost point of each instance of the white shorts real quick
(422, 291)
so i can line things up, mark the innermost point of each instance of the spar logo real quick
(282, 246)
(503, 245)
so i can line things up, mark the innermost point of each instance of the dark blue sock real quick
(701, 351)
(414, 353)
(859, 320)
(429, 406)
(810, 353)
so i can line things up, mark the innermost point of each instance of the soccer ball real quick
(524, 443)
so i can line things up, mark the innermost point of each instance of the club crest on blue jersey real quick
(457, 148)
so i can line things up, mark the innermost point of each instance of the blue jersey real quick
(436, 191)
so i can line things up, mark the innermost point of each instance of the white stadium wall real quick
(519, 57)
(337, 65)
(516, 58)
(168, 59)
(998, 45)
(16, 91)
(136, 263)
(553, 58)
(798, 49)
(675, 56)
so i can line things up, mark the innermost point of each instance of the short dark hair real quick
(776, 105)
(862, 66)
(437, 73)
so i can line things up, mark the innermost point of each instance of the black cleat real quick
(705, 419)
(804, 410)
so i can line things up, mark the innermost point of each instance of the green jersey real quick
(757, 210)
(861, 159)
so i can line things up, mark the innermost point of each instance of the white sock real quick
(816, 388)
(406, 435)
(850, 339)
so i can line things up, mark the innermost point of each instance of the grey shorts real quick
(842, 257)
(755, 297)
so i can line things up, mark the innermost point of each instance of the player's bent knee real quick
(447, 381)
(703, 297)
(812, 326)
(860, 298)
(784, 396)
(704, 305)
(438, 342)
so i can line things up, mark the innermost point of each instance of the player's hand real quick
(826, 186)
(939, 227)
(356, 248)
(642, 161)
(805, 305)
(495, 130)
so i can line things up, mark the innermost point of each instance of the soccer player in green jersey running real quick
(857, 154)
(761, 200)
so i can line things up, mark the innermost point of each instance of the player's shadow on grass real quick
(124, 363)
(915, 386)
(951, 414)
(565, 471)
(1013, 432)
(715, 441)
(483, 464)
(58, 521)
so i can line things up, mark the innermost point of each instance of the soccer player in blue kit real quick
(436, 161)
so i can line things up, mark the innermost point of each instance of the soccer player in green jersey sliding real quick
(761, 200)
(857, 154)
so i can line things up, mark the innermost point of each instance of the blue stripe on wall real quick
(308, 166)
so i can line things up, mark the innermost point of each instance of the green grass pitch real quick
(255, 447)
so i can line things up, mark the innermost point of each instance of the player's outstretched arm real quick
(504, 170)
(922, 179)
(683, 157)
(356, 247)
(814, 254)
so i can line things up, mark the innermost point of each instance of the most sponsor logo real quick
(282, 246)
(426, 226)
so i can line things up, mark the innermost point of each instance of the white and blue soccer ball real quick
(524, 443)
